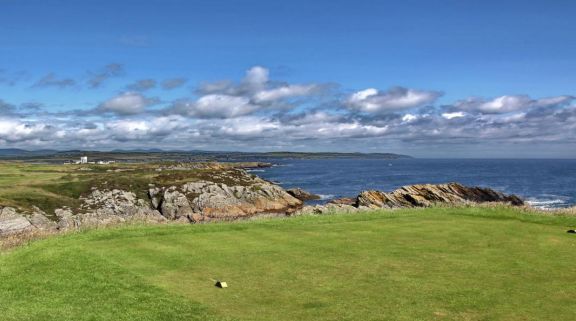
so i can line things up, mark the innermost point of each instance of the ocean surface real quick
(542, 183)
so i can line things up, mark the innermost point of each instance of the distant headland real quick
(146, 155)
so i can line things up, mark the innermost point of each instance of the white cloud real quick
(15, 130)
(514, 118)
(128, 103)
(553, 101)
(145, 129)
(511, 103)
(409, 118)
(255, 111)
(254, 93)
(216, 106)
(248, 126)
(453, 115)
(222, 106)
(285, 92)
(353, 129)
(256, 77)
(317, 117)
(373, 101)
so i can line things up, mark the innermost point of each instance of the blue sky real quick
(447, 57)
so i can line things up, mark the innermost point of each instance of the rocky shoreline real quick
(423, 195)
(192, 202)
(227, 194)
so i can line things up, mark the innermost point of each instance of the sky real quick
(489, 79)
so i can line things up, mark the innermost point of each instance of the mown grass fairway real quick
(427, 264)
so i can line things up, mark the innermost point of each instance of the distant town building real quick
(84, 160)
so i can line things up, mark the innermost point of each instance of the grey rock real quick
(175, 204)
(11, 222)
(63, 212)
(344, 200)
(329, 208)
(108, 207)
(155, 196)
(302, 194)
(243, 196)
(65, 219)
(39, 220)
(428, 194)
(220, 201)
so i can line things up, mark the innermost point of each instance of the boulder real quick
(302, 194)
(115, 200)
(11, 222)
(108, 207)
(328, 208)
(344, 201)
(154, 194)
(39, 220)
(174, 204)
(65, 218)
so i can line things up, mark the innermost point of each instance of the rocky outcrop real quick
(344, 201)
(233, 194)
(40, 221)
(302, 194)
(206, 201)
(11, 222)
(428, 195)
(329, 208)
(106, 207)
(186, 166)
(175, 205)
(424, 195)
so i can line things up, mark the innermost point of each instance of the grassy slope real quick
(432, 264)
(49, 187)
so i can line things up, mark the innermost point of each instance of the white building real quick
(84, 160)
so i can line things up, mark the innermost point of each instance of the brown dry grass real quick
(25, 238)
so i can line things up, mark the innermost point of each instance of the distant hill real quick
(336, 155)
(149, 150)
(16, 152)
(155, 154)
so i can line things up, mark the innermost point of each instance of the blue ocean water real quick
(543, 183)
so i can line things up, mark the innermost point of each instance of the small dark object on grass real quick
(571, 231)
(220, 284)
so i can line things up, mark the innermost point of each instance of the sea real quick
(543, 183)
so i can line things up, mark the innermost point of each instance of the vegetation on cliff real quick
(48, 186)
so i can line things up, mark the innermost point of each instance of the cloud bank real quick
(260, 113)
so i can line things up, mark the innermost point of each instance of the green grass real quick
(424, 264)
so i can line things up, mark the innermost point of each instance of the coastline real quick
(96, 196)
